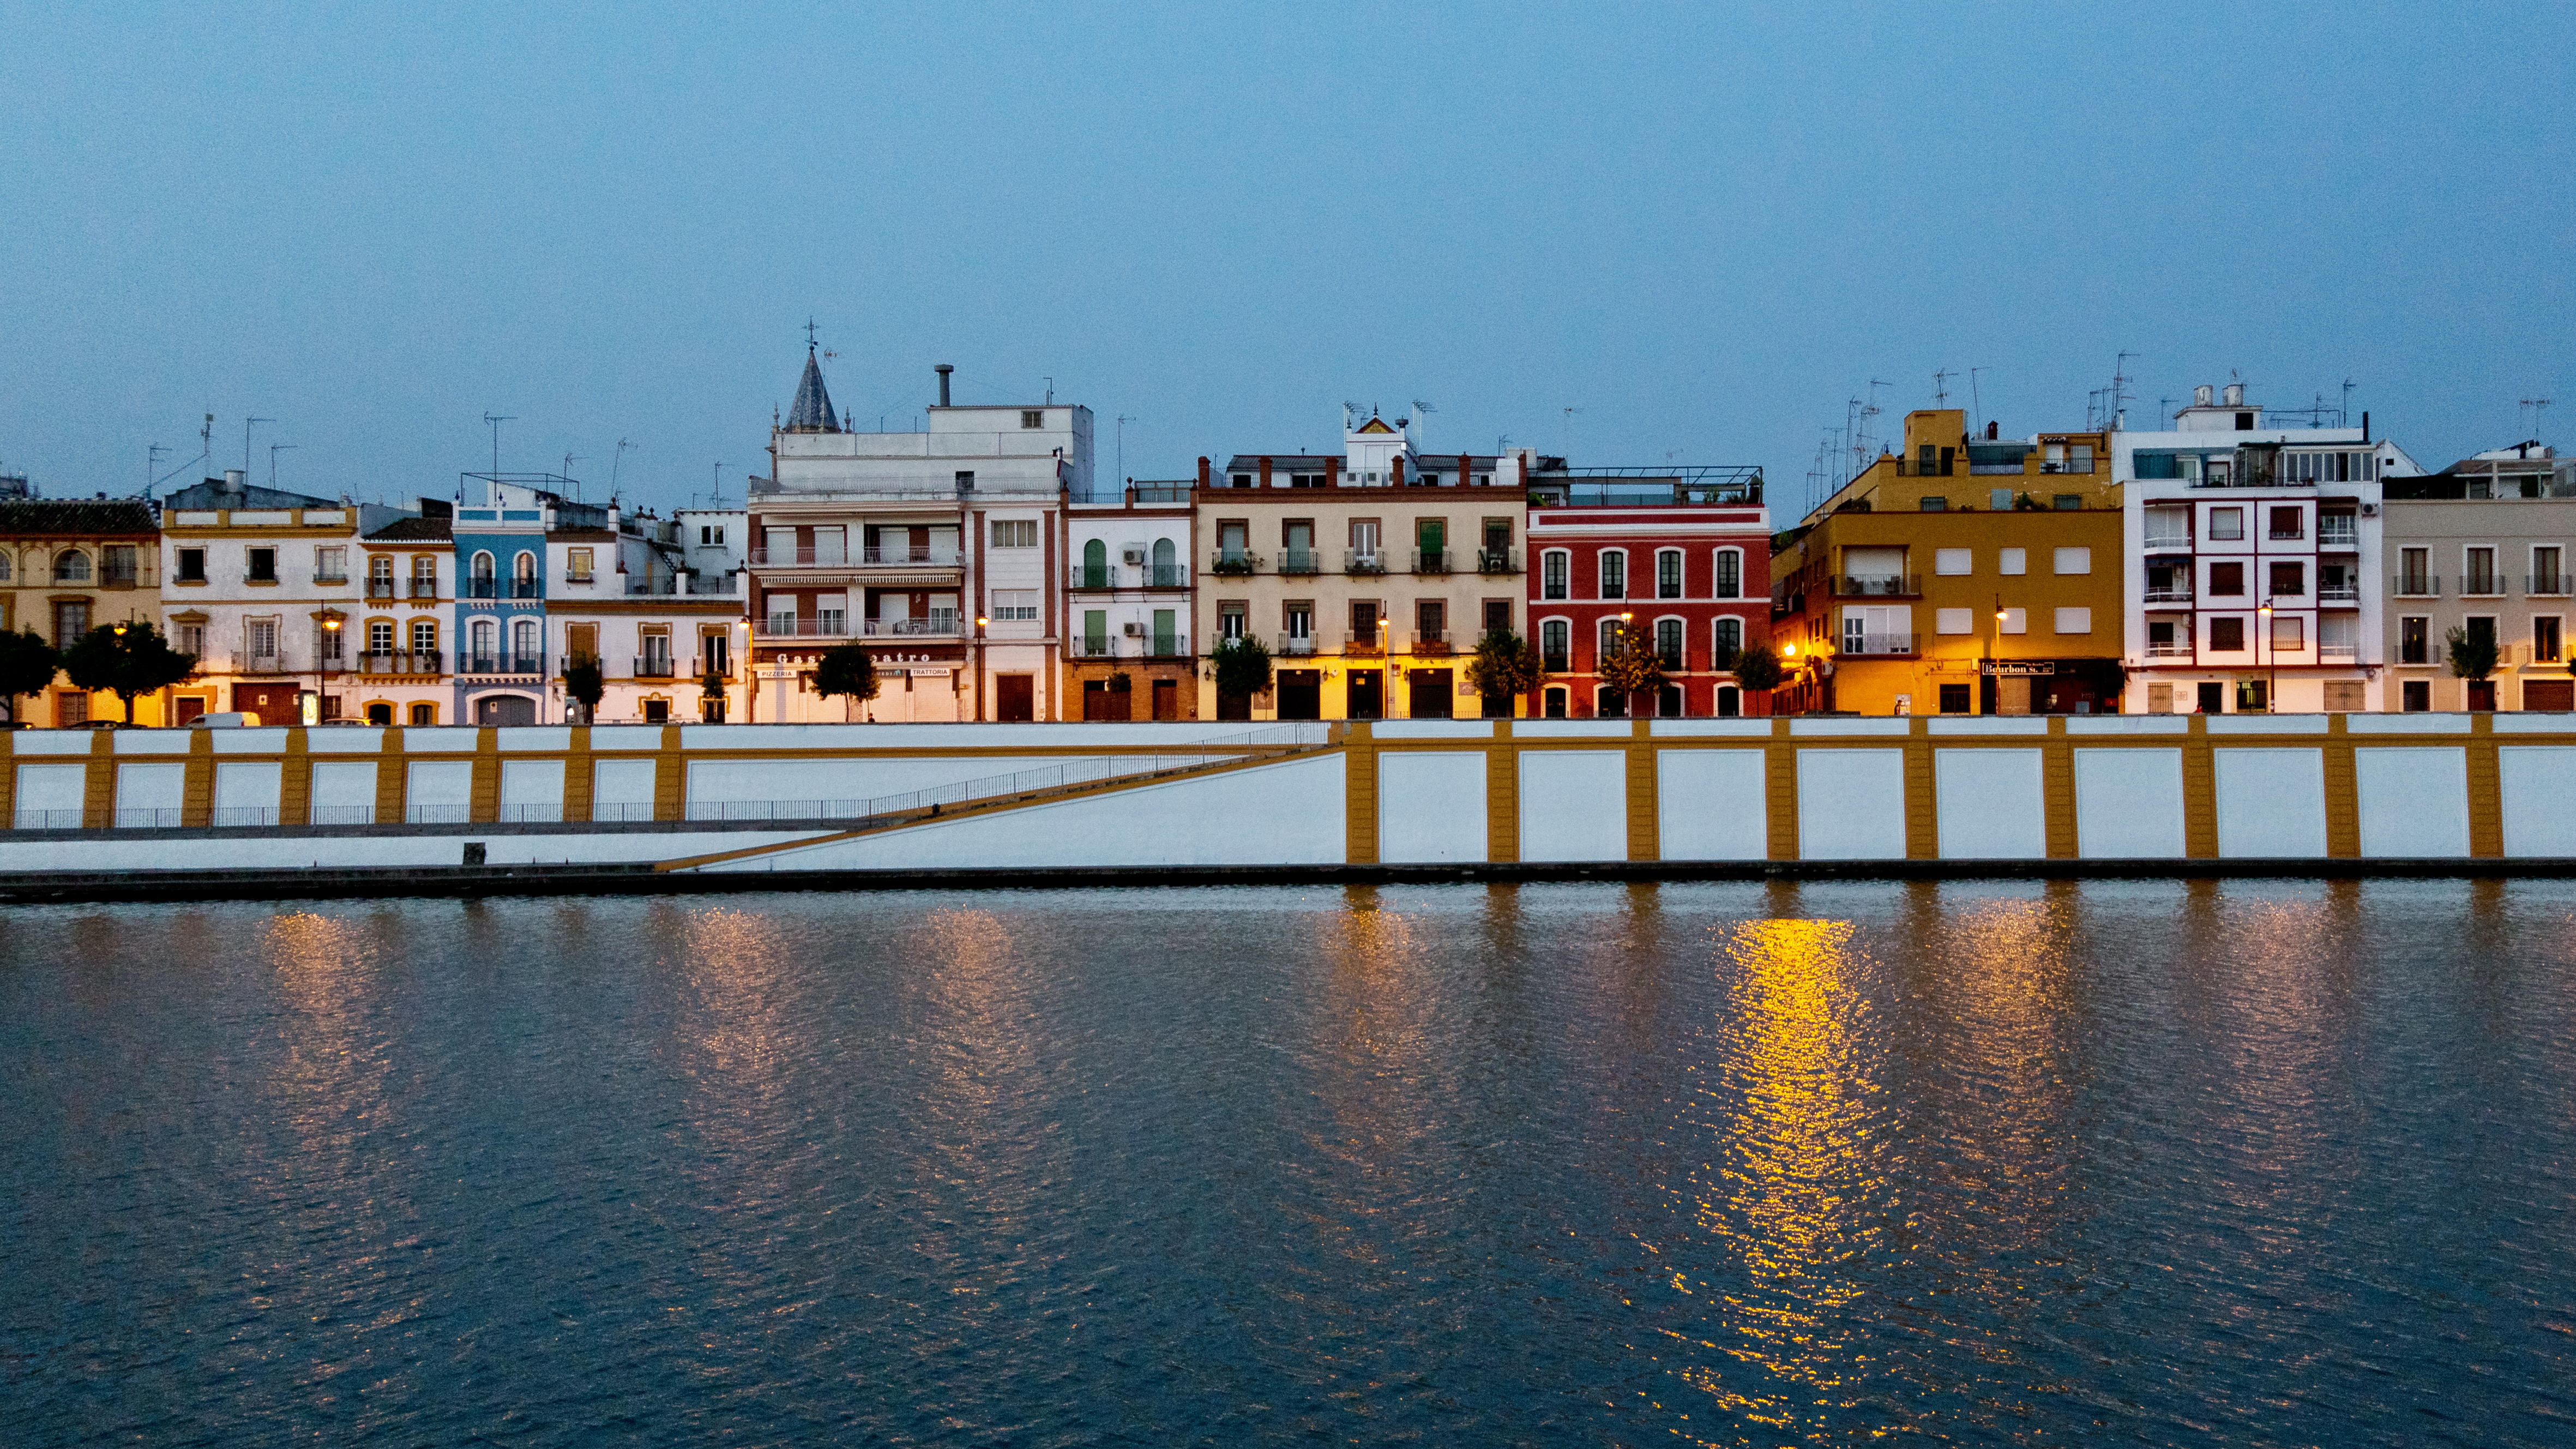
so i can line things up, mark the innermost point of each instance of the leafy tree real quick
(1242, 667)
(1758, 668)
(587, 683)
(847, 670)
(1504, 665)
(27, 665)
(1634, 667)
(1121, 683)
(2473, 656)
(129, 659)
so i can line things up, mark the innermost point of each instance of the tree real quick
(848, 670)
(1504, 665)
(587, 683)
(27, 665)
(711, 694)
(129, 659)
(1634, 667)
(1758, 668)
(1242, 667)
(2473, 658)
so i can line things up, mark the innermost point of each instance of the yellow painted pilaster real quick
(1922, 803)
(1359, 803)
(1645, 830)
(486, 806)
(8, 777)
(295, 781)
(2199, 793)
(2343, 794)
(197, 785)
(578, 776)
(670, 777)
(1780, 790)
(393, 780)
(98, 793)
(1502, 796)
(2486, 791)
(2057, 788)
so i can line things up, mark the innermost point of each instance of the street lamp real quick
(2272, 678)
(322, 663)
(980, 622)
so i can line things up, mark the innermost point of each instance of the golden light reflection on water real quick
(1377, 1001)
(1792, 1187)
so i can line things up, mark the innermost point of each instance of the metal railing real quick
(1091, 576)
(438, 814)
(789, 626)
(343, 814)
(2168, 543)
(530, 814)
(501, 664)
(142, 818)
(906, 556)
(237, 817)
(1300, 561)
(2488, 586)
(1431, 560)
(1166, 576)
(381, 591)
(482, 589)
(339, 577)
(892, 808)
(249, 576)
(1877, 644)
(1293, 646)
(260, 663)
(424, 588)
(399, 661)
(2178, 595)
(1234, 562)
(2545, 585)
(2338, 653)
(1094, 646)
(2417, 586)
(1430, 641)
(936, 624)
(1498, 560)
(2168, 651)
(1556, 661)
(586, 576)
(2339, 593)
(653, 666)
(1356, 561)
(1878, 585)
(2329, 536)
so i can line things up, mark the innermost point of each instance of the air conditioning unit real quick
(2370, 510)
(1135, 630)
(1135, 555)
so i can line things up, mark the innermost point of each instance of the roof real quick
(81, 517)
(812, 412)
(213, 494)
(414, 530)
(1375, 425)
(1282, 462)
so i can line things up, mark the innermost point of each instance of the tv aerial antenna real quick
(569, 460)
(495, 424)
(273, 450)
(1941, 386)
(246, 425)
(2533, 407)
(613, 460)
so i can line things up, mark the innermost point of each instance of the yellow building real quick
(1964, 575)
(68, 565)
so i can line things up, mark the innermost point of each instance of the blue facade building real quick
(502, 675)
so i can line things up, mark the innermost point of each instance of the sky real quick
(1629, 234)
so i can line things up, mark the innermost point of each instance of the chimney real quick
(943, 370)
(1332, 472)
(2365, 425)
(232, 480)
(2236, 394)
(1265, 472)
(1993, 430)
(1203, 471)
(1395, 474)
(2200, 396)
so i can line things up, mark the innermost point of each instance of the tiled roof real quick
(414, 530)
(211, 494)
(813, 410)
(81, 517)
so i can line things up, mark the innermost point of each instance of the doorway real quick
(1015, 698)
(2213, 698)
(1368, 694)
(505, 710)
(268, 704)
(2482, 695)
(1301, 694)
(1167, 699)
(1555, 704)
(1431, 693)
(1730, 701)
(1100, 702)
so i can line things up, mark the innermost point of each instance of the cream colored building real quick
(68, 565)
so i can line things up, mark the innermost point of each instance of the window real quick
(118, 566)
(1364, 621)
(965, 481)
(424, 576)
(192, 566)
(2478, 573)
(1932, 503)
(483, 575)
(1614, 574)
(424, 636)
(527, 647)
(711, 536)
(1954, 699)
(1608, 639)
(2227, 581)
(424, 716)
(2417, 695)
(523, 575)
(2545, 577)
(1555, 640)
(2226, 525)
(1668, 574)
(1553, 569)
(1954, 621)
(2075, 560)
(2414, 640)
(2075, 621)
(71, 620)
(192, 639)
(484, 633)
(330, 565)
(380, 636)
(1015, 606)
(1297, 619)
(2252, 695)
(2227, 636)
(1095, 631)
(1729, 642)
(1242, 480)
(2289, 522)
(1730, 573)
(1668, 642)
(1364, 536)
(71, 709)
(1032, 418)
(263, 566)
(2289, 633)
(380, 577)
(2414, 575)
(1015, 533)
(1430, 621)
(577, 566)
(2288, 579)
(2014, 621)
(71, 566)
(1954, 562)
(2012, 562)
(1498, 616)
(2067, 502)
(328, 638)
(2544, 639)
(261, 637)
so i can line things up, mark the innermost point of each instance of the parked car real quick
(221, 722)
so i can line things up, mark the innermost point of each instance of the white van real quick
(221, 722)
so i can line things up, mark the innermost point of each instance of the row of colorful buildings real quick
(2222, 564)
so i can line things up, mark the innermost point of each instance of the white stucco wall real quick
(1991, 806)
(2414, 802)
(2271, 802)
(1431, 807)
(1851, 803)
(2128, 804)
(2538, 783)
(1710, 804)
(1574, 805)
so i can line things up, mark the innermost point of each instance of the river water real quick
(2160, 1162)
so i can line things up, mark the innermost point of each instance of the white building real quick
(2251, 560)
(1127, 586)
(935, 550)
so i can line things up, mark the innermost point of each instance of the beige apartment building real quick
(2486, 547)
(1368, 575)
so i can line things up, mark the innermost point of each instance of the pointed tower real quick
(813, 410)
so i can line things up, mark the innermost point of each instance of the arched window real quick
(71, 566)
(1167, 563)
(1614, 573)
(424, 716)
(380, 714)
(1729, 643)
(483, 582)
(1095, 564)
(484, 632)
(4, 567)
(1609, 639)
(523, 576)
(1668, 642)
(1554, 641)
(1668, 574)
(524, 644)
(1730, 573)
(1553, 567)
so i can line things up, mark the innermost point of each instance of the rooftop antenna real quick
(246, 422)
(273, 450)
(716, 499)
(613, 460)
(1050, 397)
(151, 465)
(1502, 444)
(1976, 404)
(1941, 386)
(2534, 406)
(496, 423)
(569, 460)
(1124, 420)
(809, 331)
(205, 450)
(2343, 412)
(1565, 434)
(2120, 398)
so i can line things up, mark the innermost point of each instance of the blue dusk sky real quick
(1702, 229)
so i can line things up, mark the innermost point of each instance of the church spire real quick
(812, 412)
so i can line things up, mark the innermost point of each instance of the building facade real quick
(68, 565)
(2483, 547)
(2250, 559)
(260, 585)
(1127, 590)
(1963, 575)
(659, 604)
(1682, 555)
(1368, 575)
(935, 550)
(401, 630)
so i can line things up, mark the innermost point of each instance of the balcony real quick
(1165, 576)
(380, 591)
(885, 556)
(1498, 560)
(1366, 645)
(1877, 645)
(2482, 586)
(1091, 576)
(501, 664)
(424, 589)
(1093, 646)
(482, 589)
(2338, 653)
(259, 663)
(115, 575)
(1234, 562)
(1363, 561)
(2417, 586)
(2168, 543)
(1292, 646)
(2168, 651)
(586, 577)
(1300, 561)
(655, 666)
(332, 578)
(1430, 641)
(1555, 661)
(1863, 586)
(400, 661)
(1431, 560)
(834, 625)
(2173, 594)
(2346, 538)
(940, 624)
(2338, 593)
(2546, 586)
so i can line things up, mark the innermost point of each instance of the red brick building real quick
(1683, 554)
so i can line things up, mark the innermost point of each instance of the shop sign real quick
(2020, 668)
